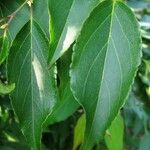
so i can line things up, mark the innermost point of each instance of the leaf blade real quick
(99, 69)
(65, 27)
(66, 104)
(21, 18)
(34, 96)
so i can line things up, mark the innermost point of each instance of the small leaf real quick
(22, 16)
(6, 88)
(114, 140)
(105, 61)
(79, 132)
(12, 24)
(67, 18)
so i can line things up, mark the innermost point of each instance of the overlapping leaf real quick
(15, 14)
(66, 104)
(34, 96)
(7, 8)
(114, 136)
(105, 61)
(79, 132)
(67, 18)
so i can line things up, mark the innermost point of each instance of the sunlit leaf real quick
(105, 61)
(114, 138)
(6, 89)
(7, 8)
(34, 96)
(67, 18)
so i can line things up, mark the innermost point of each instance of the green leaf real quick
(79, 132)
(66, 105)
(6, 89)
(41, 15)
(105, 61)
(17, 14)
(22, 15)
(34, 96)
(114, 138)
(7, 7)
(4, 48)
(67, 18)
(14, 16)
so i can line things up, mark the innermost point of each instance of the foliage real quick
(68, 67)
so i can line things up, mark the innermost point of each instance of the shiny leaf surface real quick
(105, 61)
(67, 18)
(34, 96)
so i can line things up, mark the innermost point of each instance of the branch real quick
(10, 17)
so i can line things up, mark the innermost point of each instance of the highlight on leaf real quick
(70, 65)
(101, 78)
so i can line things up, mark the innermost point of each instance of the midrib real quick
(31, 57)
(109, 37)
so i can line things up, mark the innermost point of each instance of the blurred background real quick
(135, 126)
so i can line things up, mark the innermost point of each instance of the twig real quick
(3, 19)
(10, 17)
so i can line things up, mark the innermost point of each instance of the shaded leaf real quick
(66, 105)
(79, 132)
